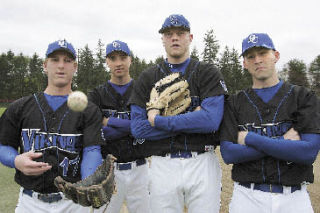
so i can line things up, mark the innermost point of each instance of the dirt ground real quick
(227, 187)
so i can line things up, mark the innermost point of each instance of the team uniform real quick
(267, 179)
(30, 124)
(131, 169)
(184, 169)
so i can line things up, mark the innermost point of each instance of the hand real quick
(152, 114)
(105, 121)
(292, 134)
(197, 108)
(241, 137)
(25, 163)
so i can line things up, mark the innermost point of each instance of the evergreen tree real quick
(20, 72)
(314, 72)
(37, 80)
(137, 66)
(85, 75)
(6, 69)
(297, 72)
(100, 73)
(231, 70)
(159, 60)
(194, 54)
(211, 48)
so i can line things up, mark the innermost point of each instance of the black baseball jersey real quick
(292, 106)
(113, 104)
(205, 80)
(30, 124)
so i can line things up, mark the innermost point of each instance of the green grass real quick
(2, 109)
(9, 190)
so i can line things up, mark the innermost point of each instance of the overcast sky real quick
(29, 26)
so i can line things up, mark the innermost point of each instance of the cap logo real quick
(62, 43)
(174, 20)
(253, 39)
(116, 44)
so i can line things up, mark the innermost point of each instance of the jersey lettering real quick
(272, 130)
(116, 114)
(33, 139)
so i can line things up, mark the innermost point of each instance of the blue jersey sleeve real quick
(237, 153)
(120, 124)
(8, 155)
(302, 151)
(206, 120)
(91, 159)
(141, 128)
(110, 133)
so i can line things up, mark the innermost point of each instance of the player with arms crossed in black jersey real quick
(131, 169)
(271, 135)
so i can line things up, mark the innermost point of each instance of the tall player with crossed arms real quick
(50, 137)
(131, 170)
(184, 169)
(271, 135)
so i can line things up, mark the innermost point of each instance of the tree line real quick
(23, 75)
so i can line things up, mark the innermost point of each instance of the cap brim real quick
(162, 30)
(64, 50)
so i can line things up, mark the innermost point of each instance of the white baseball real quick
(77, 101)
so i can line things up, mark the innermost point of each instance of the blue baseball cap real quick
(118, 46)
(257, 40)
(61, 45)
(175, 20)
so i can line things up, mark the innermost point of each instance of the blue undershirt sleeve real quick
(206, 120)
(91, 159)
(8, 155)
(141, 128)
(110, 133)
(237, 153)
(302, 151)
(120, 124)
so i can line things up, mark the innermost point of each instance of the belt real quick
(47, 198)
(184, 154)
(130, 165)
(273, 188)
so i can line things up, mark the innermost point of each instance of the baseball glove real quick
(96, 190)
(170, 95)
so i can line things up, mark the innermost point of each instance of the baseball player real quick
(131, 170)
(184, 169)
(271, 135)
(50, 137)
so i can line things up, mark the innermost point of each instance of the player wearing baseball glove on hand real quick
(52, 139)
(176, 107)
(96, 190)
(170, 95)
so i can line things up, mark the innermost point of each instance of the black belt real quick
(47, 198)
(183, 154)
(127, 166)
(273, 188)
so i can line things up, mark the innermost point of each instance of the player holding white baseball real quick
(50, 137)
